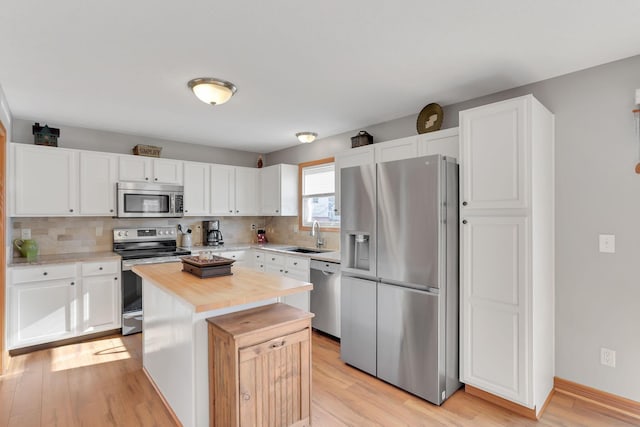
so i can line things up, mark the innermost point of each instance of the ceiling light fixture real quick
(306, 137)
(212, 91)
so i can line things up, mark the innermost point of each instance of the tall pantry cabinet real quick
(507, 251)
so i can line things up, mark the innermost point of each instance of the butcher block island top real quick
(242, 287)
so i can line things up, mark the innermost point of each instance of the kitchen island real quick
(175, 306)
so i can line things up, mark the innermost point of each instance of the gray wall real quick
(597, 191)
(98, 140)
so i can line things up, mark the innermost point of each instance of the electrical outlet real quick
(607, 243)
(25, 233)
(608, 357)
(253, 226)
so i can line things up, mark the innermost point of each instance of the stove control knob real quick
(172, 231)
(160, 232)
(126, 233)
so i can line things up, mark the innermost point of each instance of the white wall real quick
(597, 191)
(113, 142)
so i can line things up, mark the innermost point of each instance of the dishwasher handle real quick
(325, 267)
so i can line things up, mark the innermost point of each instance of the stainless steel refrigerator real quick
(399, 285)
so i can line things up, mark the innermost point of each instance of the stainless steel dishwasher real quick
(325, 296)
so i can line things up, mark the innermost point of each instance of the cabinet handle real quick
(278, 344)
(245, 395)
(277, 210)
(70, 210)
(115, 278)
(464, 203)
(464, 221)
(146, 178)
(110, 210)
(237, 211)
(280, 271)
(45, 273)
(186, 211)
(100, 268)
(273, 259)
(295, 263)
(230, 211)
(155, 179)
(73, 283)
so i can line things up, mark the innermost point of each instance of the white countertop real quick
(331, 256)
(64, 258)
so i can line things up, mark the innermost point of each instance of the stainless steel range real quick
(153, 245)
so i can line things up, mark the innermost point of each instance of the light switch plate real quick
(608, 243)
(25, 233)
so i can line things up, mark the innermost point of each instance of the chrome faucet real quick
(315, 231)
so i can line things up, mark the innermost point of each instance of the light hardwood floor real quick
(101, 383)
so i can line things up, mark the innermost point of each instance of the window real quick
(318, 194)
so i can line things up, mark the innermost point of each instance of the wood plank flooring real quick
(101, 383)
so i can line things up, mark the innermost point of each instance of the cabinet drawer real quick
(297, 263)
(100, 267)
(275, 259)
(237, 255)
(43, 272)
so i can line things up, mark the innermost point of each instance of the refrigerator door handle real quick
(419, 287)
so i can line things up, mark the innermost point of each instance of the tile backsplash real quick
(58, 235)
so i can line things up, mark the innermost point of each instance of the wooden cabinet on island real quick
(176, 305)
(260, 367)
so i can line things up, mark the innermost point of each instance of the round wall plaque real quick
(429, 119)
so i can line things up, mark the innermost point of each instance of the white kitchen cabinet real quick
(279, 190)
(100, 297)
(98, 178)
(43, 304)
(289, 266)
(45, 180)
(223, 190)
(197, 185)
(507, 250)
(354, 157)
(494, 143)
(398, 149)
(135, 168)
(257, 259)
(146, 169)
(247, 195)
(445, 142)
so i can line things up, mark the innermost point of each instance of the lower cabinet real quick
(53, 302)
(289, 266)
(260, 367)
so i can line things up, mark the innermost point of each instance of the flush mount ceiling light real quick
(306, 137)
(212, 91)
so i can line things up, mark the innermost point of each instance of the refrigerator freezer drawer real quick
(358, 323)
(408, 345)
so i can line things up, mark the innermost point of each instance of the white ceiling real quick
(327, 66)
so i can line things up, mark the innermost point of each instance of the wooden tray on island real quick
(204, 268)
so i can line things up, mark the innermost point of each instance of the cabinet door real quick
(300, 300)
(223, 190)
(98, 177)
(100, 303)
(134, 168)
(355, 157)
(274, 382)
(196, 189)
(404, 148)
(358, 323)
(167, 171)
(445, 142)
(493, 155)
(494, 305)
(42, 312)
(247, 195)
(46, 181)
(270, 190)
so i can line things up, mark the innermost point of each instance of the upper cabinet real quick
(398, 149)
(494, 147)
(98, 178)
(279, 190)
(354, 157)
(146, 169)
(223, 190)
(247, 195)
(445, 142)
(46, 180)
(197, 186)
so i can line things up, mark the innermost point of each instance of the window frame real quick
(301, 166)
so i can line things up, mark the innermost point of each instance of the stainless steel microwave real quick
(141, 200)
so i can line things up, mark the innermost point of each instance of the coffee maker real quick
(214, 235)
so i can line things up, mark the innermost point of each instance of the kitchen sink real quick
(305, 250)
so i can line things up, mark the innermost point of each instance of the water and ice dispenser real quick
(358, 253)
